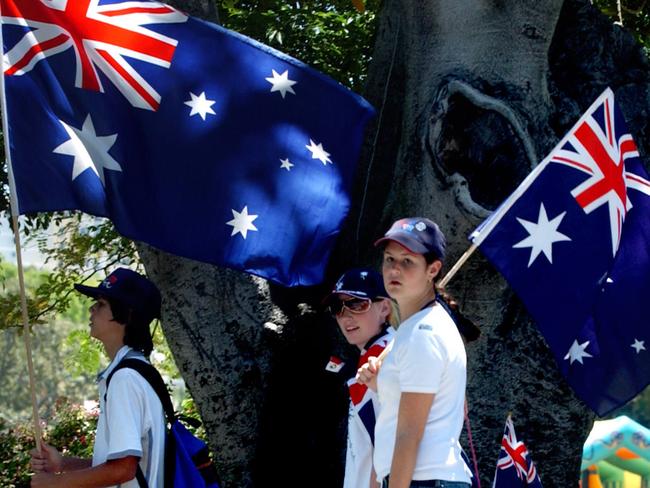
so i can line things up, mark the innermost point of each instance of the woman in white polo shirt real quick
(421, 381)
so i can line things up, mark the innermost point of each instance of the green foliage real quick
(79, 247)
(15, 444)
(65, 357)
(635, 15)
(72, 429)
(82, 353)
(331, 36)
(190, 415)
(52, 379)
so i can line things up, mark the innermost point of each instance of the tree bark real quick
(471, 95)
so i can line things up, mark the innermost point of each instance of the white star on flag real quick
(242, 222)
(638, 345)
(286, 164)
(281, 83)
(88, 149)
(200, 105)
(577, 352)
(542, 235)
(317, 152)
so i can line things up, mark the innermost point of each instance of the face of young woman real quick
(359, 328)
(406, 275)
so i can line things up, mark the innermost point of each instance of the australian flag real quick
(189, 137)
(515, 468)
(574, 242)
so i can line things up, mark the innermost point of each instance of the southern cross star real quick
(242, 222)
(577, 352)
(542, 235)
(317, 152)
(200, 105)
(638, 345)
(286, 164)
(88, 149)
(281, 83)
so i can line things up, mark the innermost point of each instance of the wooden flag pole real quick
(457, 266)
(26, 332)
(21, 276)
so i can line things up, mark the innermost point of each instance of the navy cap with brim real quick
(356, 294)
(96, 292)
(129, 288)
(405, 240)
(359, 283)
(418, 235)
(90, 291)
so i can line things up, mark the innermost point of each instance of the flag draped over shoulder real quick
(189, 137)
(361, 397)
(574, 242)
(515, 468)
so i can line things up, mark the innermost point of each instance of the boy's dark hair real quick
(136, 327)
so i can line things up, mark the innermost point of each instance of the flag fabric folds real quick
(363, 401)
(515, 468)
(189, 137)
(574, 242)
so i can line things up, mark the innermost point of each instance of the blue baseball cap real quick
(129, 288)
(359, 283)
(417, 234)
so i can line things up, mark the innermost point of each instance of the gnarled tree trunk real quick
(471, 95)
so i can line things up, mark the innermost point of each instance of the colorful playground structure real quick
(616, 455)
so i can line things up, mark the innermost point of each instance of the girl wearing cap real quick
(363, 312)
(421, 381)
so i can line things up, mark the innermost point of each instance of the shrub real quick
(15, 444)
(71, 430)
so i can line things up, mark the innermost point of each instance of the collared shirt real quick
(131, 421)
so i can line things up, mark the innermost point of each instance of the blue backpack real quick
(187, 459)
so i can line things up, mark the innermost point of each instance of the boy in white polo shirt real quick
(130, 441)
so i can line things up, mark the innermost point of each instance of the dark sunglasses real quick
(354, 305)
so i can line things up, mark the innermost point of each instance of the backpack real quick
(187, 459)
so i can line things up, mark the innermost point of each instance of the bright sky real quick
(31, 256)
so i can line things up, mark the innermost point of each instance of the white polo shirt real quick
(131, 421)
(427, 356)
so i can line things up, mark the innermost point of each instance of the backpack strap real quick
(151, 374)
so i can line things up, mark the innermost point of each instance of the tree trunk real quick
(471, 95)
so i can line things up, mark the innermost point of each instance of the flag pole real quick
(19, 259)
(26, 332)
(457, 266)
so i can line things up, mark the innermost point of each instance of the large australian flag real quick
(574, 242)
(189, 137)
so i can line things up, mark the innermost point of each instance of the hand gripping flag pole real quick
(19, 259)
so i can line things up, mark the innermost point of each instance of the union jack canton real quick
(574, 242)
(515, 469)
